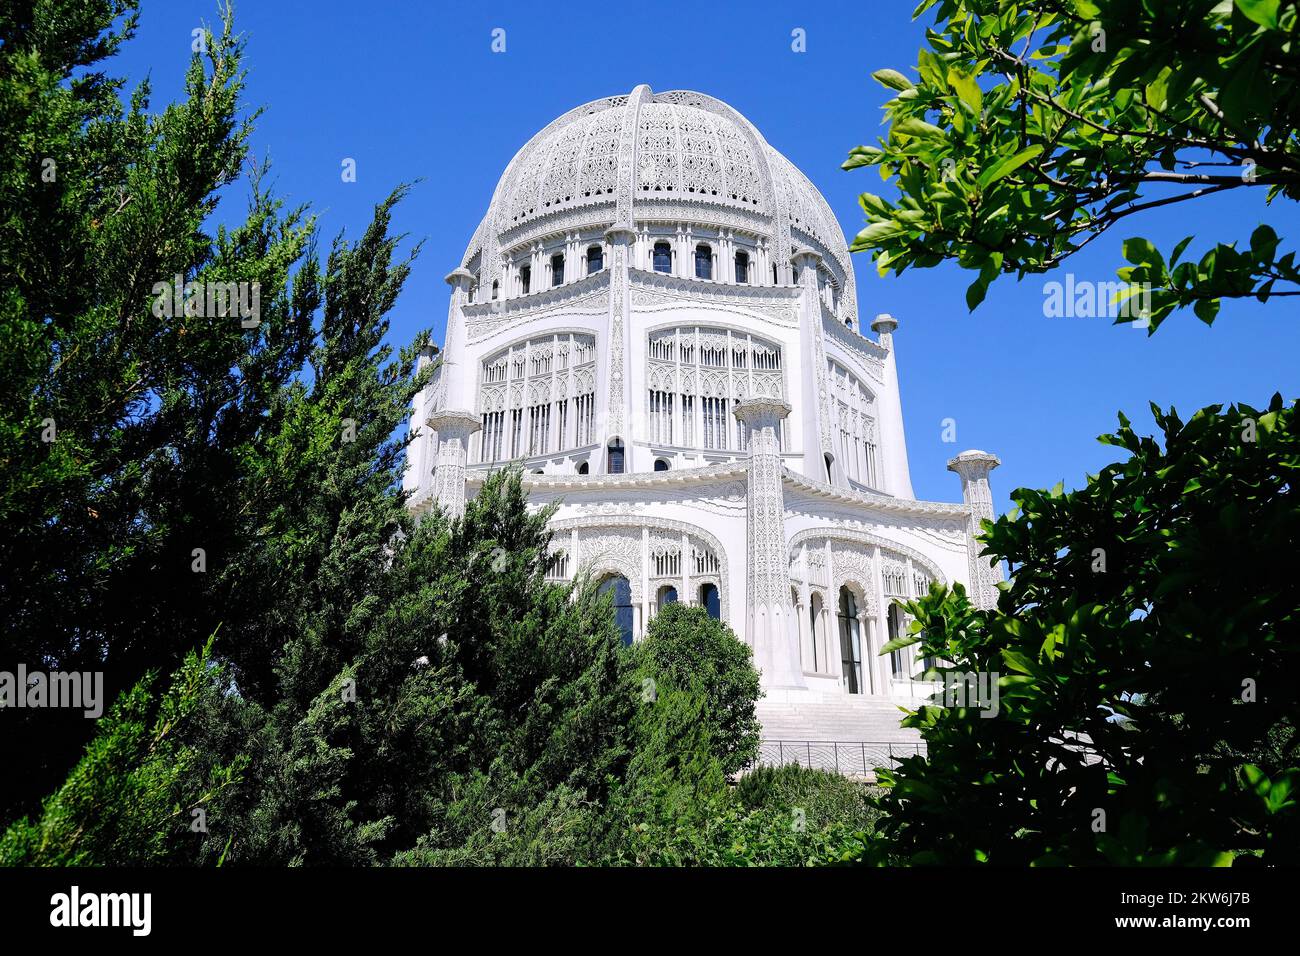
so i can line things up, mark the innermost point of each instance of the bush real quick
(685, 646)
(131, 797)
(1149, 657)
(826, 798)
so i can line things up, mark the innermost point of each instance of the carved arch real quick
(855, 536)
(614, 564)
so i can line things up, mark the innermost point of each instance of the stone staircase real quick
(844, 733)
(845, 718)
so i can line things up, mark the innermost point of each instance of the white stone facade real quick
(658, 318)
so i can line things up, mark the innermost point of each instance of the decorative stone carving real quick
(454, 428)
(773, 630)
(973, 467)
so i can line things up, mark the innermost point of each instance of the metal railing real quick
(853, 758)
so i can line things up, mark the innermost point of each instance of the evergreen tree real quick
(123, 429)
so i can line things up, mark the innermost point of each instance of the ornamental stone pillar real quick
(773, 628)
(816, 424)
(452, 378)
(454, 426)
(621, 241)
(973, 467)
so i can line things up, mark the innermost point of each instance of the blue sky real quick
(411, 90)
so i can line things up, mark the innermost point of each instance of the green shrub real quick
(131, 797)
(1149, 656)
(827, 798)
(685, 646)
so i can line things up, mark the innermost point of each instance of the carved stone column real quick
(773, 629)
(621, 240)
(816, 424)
(973, 467)
(454, 426)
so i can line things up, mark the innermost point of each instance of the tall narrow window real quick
(493, 428)
(585, 409)
(663, 257)
(703, 261)
(667, 595)
(742, 266)
(661, 417)
(815, 629)
(595, 259)
(557, 269)
(620, 592)
(615, 457)
(496, 289)
(539, 426)
(516, 433)
(850, 643)
(525, 278)
(715, 423)
(710, 601)
(896, 660)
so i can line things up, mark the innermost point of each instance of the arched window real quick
(525, 278)
(742, 266)
(703, 261)
(667, 595)
(620, 593)
(663, 257)
(661, 464)
(710, 601)
(496, 289)
(557, 269)
(829, 461)
(595, 259)
(850, 643)
(582, 468)
(615, 457)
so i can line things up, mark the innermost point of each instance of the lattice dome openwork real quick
(656, 156)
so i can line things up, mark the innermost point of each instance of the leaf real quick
(892, 79)
(911, 126)
(1206, 310)
(1178, 251)
(1143, 252)
(968, 91)
(1007, 165)
(877, 232)
(1263, 243)
(862, 156)
(1263, 12)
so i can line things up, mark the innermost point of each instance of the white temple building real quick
(658, 318)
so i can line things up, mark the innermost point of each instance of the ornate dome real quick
(647, 156)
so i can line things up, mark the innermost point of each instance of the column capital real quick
(759, 411)
(973, 463)
(458, 276)
(884, 324)
(615, 233)
(808, 255)
(450, 420)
